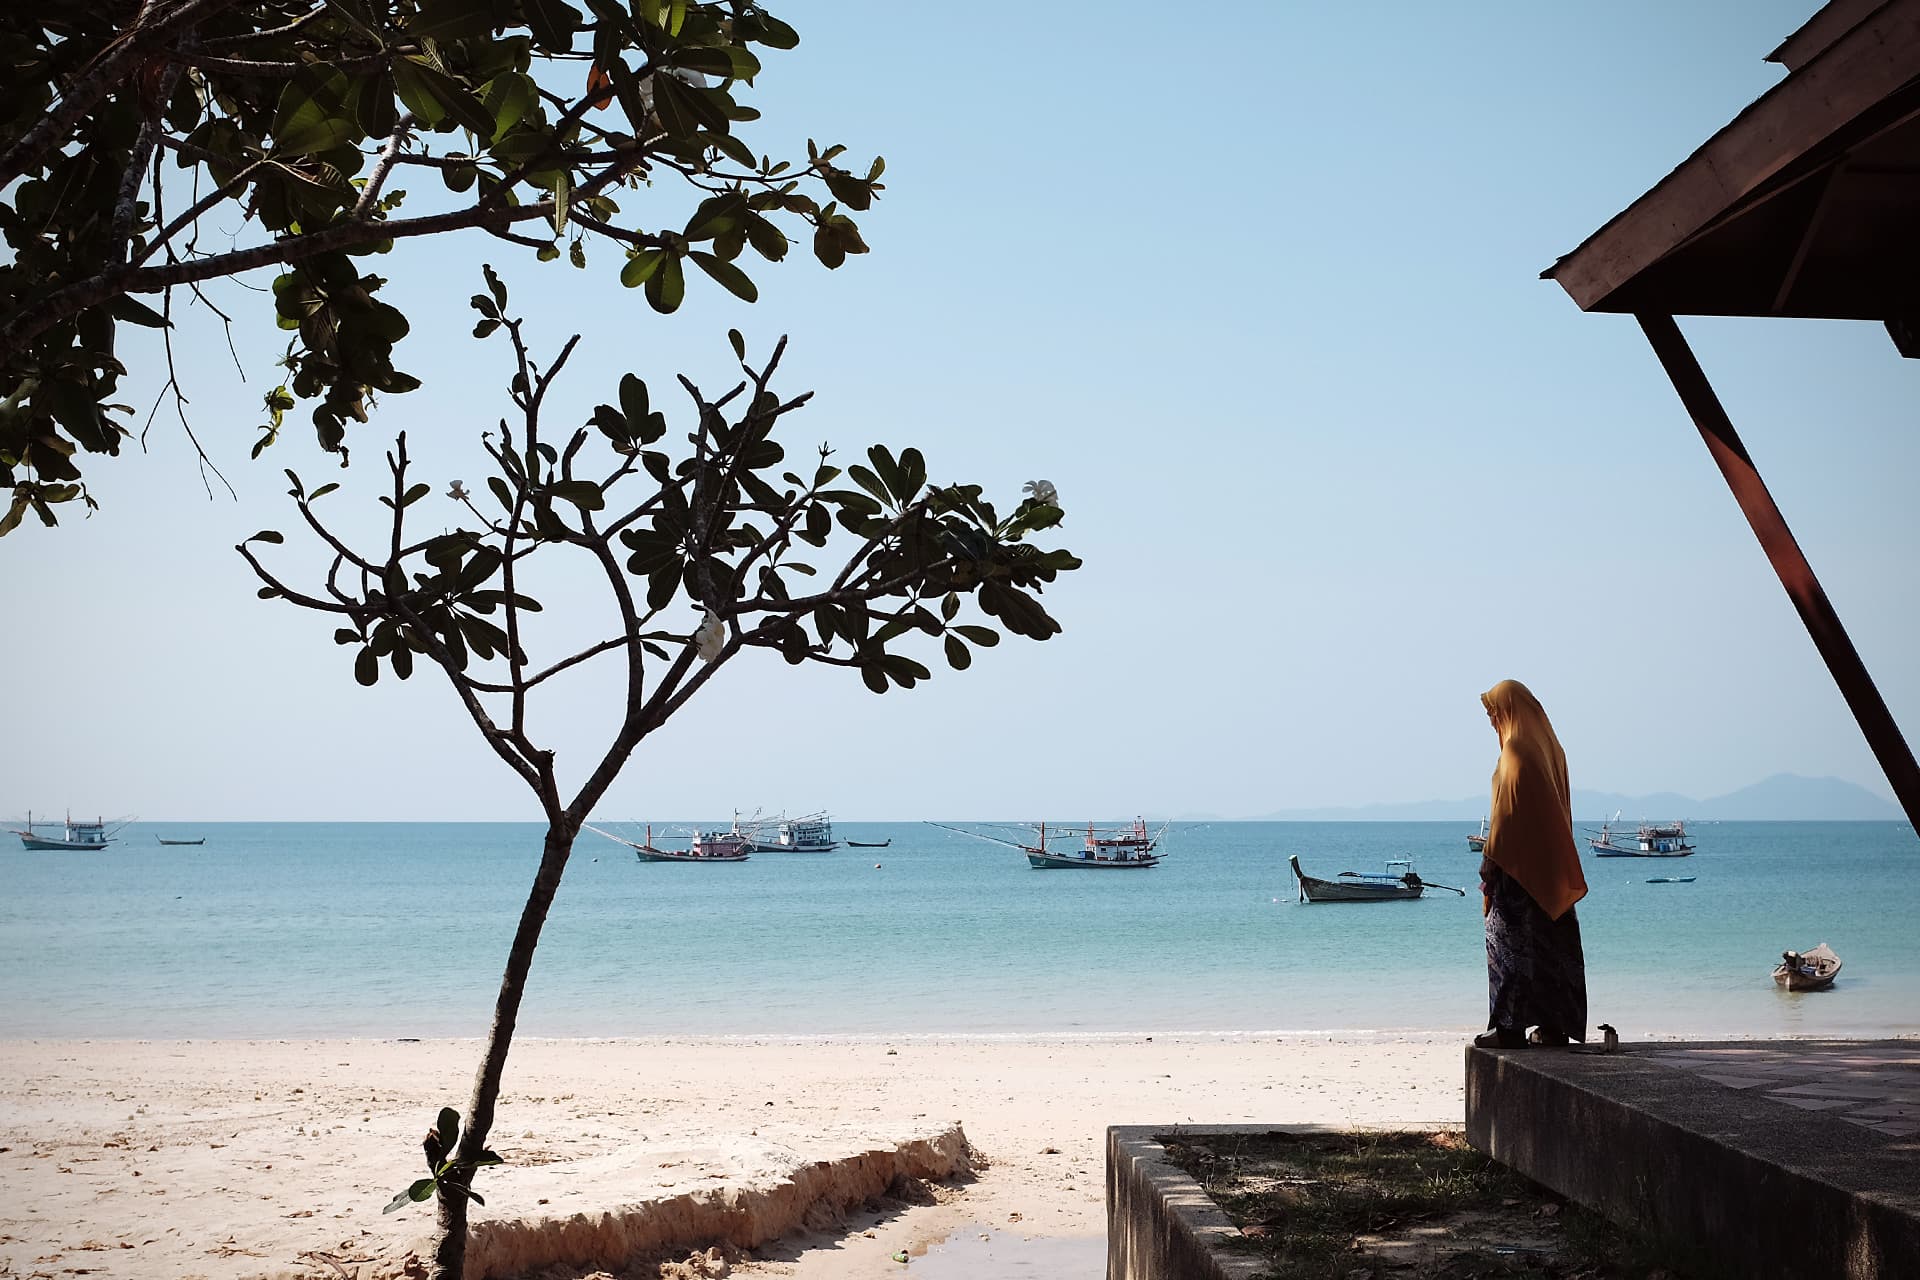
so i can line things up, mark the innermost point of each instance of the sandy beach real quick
(234, 1160)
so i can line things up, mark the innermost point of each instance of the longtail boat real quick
(1811, 970)
(1398, 883)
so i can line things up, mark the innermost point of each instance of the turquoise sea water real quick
(351, 929)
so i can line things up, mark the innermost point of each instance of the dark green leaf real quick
(552, 22)
(133, 311)
(959, 657)
(584, 494)
(641, 267)
(870, 482)
(730, 277)
(419, 1191)
(366, 667)
(667, 286)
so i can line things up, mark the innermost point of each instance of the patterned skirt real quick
(1536, 973)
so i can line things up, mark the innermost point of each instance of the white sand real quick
(230, 1160)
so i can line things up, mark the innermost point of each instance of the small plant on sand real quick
(440, 1144)
(707, 557)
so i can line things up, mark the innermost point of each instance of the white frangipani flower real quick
(1042, 491)
(457, 491)
(709, 637)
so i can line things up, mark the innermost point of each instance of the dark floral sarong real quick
(1536, 972)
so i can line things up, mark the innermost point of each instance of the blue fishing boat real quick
(85, 836)
(1652, 840)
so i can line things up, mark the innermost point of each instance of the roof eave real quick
(1868, 62)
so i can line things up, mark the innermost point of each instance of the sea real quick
(301, 930)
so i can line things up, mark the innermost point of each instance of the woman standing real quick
(1529, 880)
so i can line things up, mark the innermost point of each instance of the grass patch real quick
(1402, 1206)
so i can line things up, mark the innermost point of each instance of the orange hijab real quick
(1530, 832)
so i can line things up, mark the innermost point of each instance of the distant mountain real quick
(1789, 797)
(1785, 797)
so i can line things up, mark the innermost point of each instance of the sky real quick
(1259, 293)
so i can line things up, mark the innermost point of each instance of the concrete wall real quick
(1160, 1224)
(1736, 1186)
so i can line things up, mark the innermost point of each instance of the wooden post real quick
(1789, 562)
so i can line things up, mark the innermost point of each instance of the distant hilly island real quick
(1785, 797)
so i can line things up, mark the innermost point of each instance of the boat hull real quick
(1615, 851)
(863, 844)
(1825, 966)
(1065, 862)
(668, 855)
(777, 847)
(201, 840)
(1793, 980)
(1477, 843)
(1314, 889)
(43, 843)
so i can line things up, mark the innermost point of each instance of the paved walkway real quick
(1875, 1085)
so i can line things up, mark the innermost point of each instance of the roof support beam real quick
(1789, 562)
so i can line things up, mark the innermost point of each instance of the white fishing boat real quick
(705, 846)
(78, 836)
(1652, 840)
(1073, 847)
(1478, 840)
(810, 834)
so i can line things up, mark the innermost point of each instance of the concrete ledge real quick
(1737, 1185)
(1160, 1224)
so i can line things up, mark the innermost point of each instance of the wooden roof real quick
(1806, 204)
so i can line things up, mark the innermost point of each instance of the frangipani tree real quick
(151, 149)
(705, 542)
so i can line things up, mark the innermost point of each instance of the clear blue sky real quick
(1259, 294)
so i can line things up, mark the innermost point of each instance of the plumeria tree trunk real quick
(450, 1249)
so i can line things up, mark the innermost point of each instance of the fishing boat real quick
(1398, 883)
(1478, 841)
(1101, 848)
(164, 840)
(87, 836)
(1811, 970)
(1051, 847)
(869, 844)
(719, 846)
(1670, 880)
(731, 845)
(1652, 840)
(811, 834)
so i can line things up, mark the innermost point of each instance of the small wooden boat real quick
(869, 844)
(1478, 841)
(1671, 880)
(1397, 883)
(164, 840)
(1811, 970)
